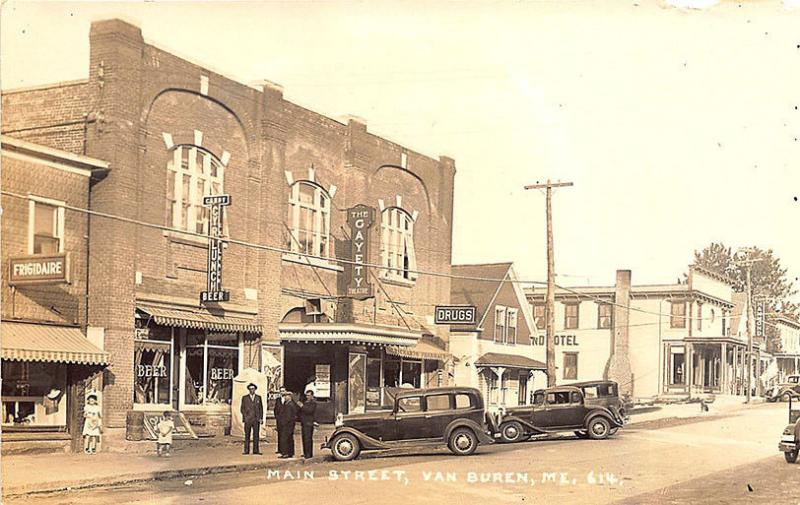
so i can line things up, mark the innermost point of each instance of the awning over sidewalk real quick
(199, 319)
(344, 333)
(509, 360)
(422, 350)
(42, 342)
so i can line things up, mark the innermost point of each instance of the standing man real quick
(276, 411)
(252, 413)
(307, 411)
(286, 419)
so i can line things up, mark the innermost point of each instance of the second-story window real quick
(499, 323)
(511, 326)
(309, 219)
(45, 226)
(571, 316)
(677, 313)
(539, 315)
(192, 174)
(397, 244)
(604, 316)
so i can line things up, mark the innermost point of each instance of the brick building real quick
(47, 360)
(174, 132)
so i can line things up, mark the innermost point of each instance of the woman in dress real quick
(91, 425)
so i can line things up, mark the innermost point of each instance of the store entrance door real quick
(304, 362)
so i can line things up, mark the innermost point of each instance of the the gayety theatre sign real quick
(39, 270)
(360, 219)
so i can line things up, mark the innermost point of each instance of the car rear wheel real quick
(791, 456)
(345, 447)
(599, 428)
(462, 442)
(512, 431)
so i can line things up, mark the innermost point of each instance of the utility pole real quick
(747, 261)
(551, 280)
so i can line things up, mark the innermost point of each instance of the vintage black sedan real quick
(451, 415)
(589, 409)
(790, 438)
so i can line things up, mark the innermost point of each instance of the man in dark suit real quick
(285, 419)
(252, 413)
(307, 410)
(276, 411)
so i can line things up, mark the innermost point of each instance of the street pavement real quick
(713, 460)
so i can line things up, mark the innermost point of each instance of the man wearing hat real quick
(252, 413)
(286, 417)
(277, 412)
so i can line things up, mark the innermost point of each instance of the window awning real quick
(200, 319)
(509, 360)
(345, 333)
(422, 350)
(42, 342)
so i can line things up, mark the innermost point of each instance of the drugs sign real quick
(455, 314)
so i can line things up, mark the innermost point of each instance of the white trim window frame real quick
(193, 173)
(309, 219)
(511, 326)
(397, 245)
(499, 324)
(57, 223)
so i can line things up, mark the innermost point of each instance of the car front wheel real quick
(599, 428)
(791, 456)
(463, 442)
(345, 447)
(512, 431)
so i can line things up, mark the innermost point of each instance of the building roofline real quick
(86, 165)
(39, 87)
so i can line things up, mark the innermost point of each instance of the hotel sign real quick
(565, 340)
(455, 314)
(52, 269)
(214, 291)
(360, 219)
(759, 320)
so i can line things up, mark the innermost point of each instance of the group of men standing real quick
(287, 412)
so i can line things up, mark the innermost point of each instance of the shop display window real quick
(211, 362)
(152, 367)
(34, 394)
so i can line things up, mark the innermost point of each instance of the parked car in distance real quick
(783, 390)
(589, 409)
(451, 415)
(790, 438)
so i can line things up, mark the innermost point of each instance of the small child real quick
(92, 427)
(165, 428)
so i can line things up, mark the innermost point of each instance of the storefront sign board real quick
(52, 269)
(214, 291)
(360, 219)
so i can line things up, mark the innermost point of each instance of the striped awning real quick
(344, 333)
(200, 320)
(42, 342)
(422, 350)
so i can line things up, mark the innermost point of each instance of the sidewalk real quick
(722, 405)
(24, 474)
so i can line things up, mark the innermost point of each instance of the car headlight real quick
(339, 422)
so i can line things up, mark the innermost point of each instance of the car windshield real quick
(538, 398)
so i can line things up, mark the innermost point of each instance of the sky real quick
(677, 126)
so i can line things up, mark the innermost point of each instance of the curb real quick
(116, 480)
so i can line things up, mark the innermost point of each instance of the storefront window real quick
(211, 363)
(34, 394)
(411, 373)
(676, 372)
(152, 367)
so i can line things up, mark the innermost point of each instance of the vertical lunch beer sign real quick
(214, 291)
(360, 219)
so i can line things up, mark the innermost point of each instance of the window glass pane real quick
(410, 404)
(437, 402)
(227, 339)
(463, 401)
(538, 398)
(306, 194)
(44, 219)
(151, 372)
(391, 373)
(575, 397)
(34, 394)
(222, 367)
(570, 366)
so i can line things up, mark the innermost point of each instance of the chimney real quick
(619, 363)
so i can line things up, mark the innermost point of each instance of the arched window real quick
(397, 244)
(192, 174)
(309, 219)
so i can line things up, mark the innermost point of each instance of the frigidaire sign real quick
(214, 291)
(360, 219)
(39, 270)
